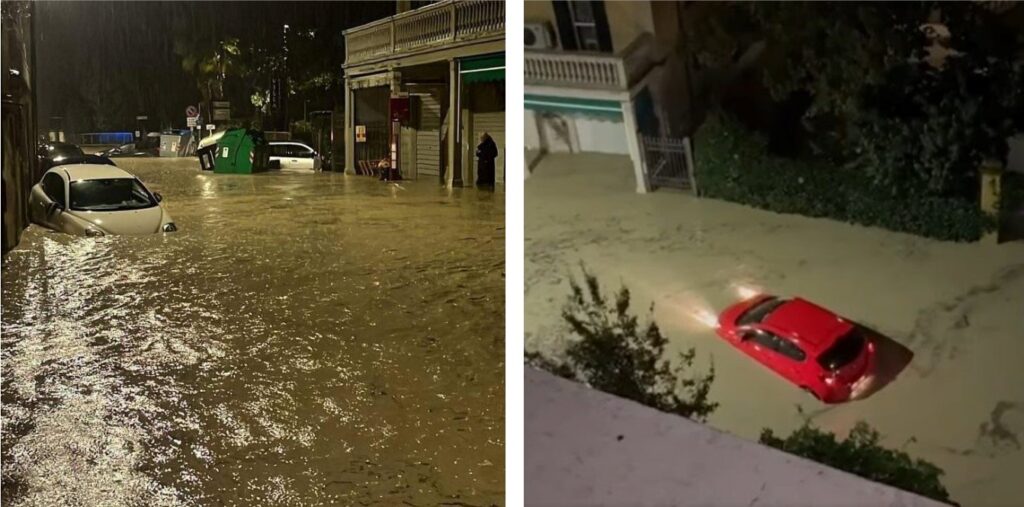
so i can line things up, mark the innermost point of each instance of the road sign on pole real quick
(192, 121)
(210, 126)
(191, 111)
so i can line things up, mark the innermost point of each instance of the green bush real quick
(613, 352)
(861, 454)
(733, 164)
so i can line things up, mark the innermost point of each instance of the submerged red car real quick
(813, 348)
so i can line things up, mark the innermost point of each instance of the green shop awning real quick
(481, 69)
(609, 109)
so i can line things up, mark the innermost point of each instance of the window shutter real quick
(566, 33)
(604, 34)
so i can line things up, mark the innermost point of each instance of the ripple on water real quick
(303, 339)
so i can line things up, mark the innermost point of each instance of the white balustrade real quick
(434, 25)
(589, 69)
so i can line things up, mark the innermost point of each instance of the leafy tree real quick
(861, 454)
(615, 353)
(882, 96)
(931, 122)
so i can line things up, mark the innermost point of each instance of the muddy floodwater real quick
(304, 339)
(958, 307)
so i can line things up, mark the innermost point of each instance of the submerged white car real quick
(96, 200)
(294, 155)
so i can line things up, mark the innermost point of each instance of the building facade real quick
(19, 124)
(422, 86)
(600, 75)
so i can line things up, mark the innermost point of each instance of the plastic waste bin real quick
(241, 151)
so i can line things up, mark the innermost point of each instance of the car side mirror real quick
(158, 197)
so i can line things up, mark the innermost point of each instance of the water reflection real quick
(303, 339)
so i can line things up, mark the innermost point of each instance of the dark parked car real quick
(53, 154)
(131, 150)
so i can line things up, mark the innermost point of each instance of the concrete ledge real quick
(585, 447)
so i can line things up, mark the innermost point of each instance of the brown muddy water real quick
(304, 339)
(958, 307)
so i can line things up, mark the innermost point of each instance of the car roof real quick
(78, 172)
(289, 142)
(809, 324)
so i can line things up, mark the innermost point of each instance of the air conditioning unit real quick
(538, 36)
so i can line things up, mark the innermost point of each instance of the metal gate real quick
(668, 161)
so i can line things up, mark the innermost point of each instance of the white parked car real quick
(96, 200)
(294, 155)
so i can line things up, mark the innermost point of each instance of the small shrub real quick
(860, 454)
(733, 164)
(613, 352)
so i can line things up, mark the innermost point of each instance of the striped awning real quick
(604, 108)
(480, 69)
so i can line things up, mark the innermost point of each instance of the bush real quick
(614, 353)
(860, 454)
(733, 164)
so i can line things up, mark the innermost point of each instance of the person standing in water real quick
(486, 152)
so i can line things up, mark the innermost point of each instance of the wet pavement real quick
(304, 339)
(957, 307)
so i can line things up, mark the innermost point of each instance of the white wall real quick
(569, 133)
(585, 447)
(601, 136)
(532, 137)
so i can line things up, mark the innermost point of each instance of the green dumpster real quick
(241, 151)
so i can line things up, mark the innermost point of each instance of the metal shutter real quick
(428, 135)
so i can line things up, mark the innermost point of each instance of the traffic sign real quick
(210, 126)
(191, 111)
(192, 121)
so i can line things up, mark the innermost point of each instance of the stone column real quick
(633, 141)
(991, 175)
(451, 178)
(350, 133)
(991, 178)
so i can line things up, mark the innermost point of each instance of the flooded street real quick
(958, 307)
(304, 339)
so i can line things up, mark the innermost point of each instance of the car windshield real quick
(759, 312)
(843, 352)
(110, 195)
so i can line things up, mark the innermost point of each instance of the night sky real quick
(99, 64)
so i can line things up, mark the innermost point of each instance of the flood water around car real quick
(303, 339)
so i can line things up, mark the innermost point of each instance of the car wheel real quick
(811, 392)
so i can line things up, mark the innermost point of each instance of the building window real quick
(583, 25)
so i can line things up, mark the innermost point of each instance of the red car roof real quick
(808, 323)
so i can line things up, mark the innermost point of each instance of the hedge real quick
(733, 164)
